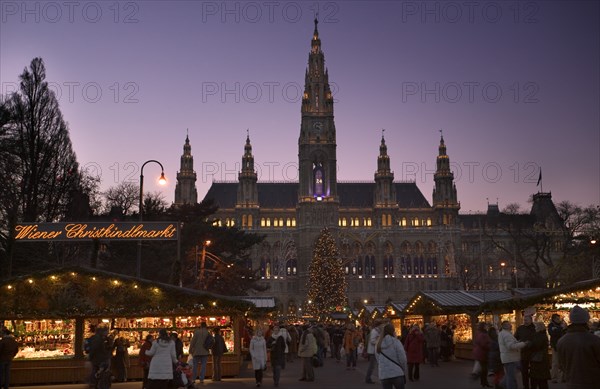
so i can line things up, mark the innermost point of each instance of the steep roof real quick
(285, 194)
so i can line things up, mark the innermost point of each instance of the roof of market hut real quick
(85, 292)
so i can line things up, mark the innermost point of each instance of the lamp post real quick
(202, 261)
(595, 261)
(162, 180)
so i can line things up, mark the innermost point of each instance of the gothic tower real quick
(445, 202)
(185, 189)
(385, 192)
(317, 189)
(247, 192)
(317, 144)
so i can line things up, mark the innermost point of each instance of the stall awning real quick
(260, 302)
(84, 292)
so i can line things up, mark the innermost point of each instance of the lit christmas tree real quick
(326, 283)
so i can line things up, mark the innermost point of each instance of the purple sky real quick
(513, 85)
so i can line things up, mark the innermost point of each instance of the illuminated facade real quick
(393, 242)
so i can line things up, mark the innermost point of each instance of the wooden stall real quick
(51, 313)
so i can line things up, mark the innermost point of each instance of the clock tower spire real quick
(317, 143)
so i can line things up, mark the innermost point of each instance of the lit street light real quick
(202, 261)
(162, 180)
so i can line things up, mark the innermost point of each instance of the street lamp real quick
(202, 260)
(595, 261)
(162, 180)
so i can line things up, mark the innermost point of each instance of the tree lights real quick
(327, 283)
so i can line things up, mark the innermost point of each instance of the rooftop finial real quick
(316, 22)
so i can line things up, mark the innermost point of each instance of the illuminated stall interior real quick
(52, 312)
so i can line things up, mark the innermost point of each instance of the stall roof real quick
(462, 301)
(525, 297)
(259, 301)
(85, 292)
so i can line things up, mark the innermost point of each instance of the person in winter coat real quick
(433, 342)
(100, 353)
(144, 359)
(164, 357)
(481, 349)
(524, 333)
(121, 359)
(9, 347)
(306, 349)
(539, 372)
(579, 352)
(258, 352)
(413, 344)
(283, 332)
(510, 355)
(391, 359)
(218, 349)
(556, 329)
(198, 351)
(445, 343)
(372, 340)
(494, 362)
(277, 346)
(352, 338)
(293, 346)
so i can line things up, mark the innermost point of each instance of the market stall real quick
(51, 313)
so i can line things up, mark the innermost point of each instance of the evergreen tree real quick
(327, 283)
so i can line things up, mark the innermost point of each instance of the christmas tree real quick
(326, 282)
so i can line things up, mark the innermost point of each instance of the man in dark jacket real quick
(217, 350)
(579, 352)
(101, 346)
(525, 333)
(8, 349)
(556, 329)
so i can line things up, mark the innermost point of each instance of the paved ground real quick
(451, 375)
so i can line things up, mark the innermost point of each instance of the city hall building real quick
(391, 239)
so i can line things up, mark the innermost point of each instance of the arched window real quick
(389, 220)
(370, 268)
(319, 180)
(388, 266)
(291, 267)
(244, 221)
(408, 265)
(249, 221)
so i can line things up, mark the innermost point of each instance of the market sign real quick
(41, 232)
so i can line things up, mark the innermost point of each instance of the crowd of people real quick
(575, 353)
(499, 353)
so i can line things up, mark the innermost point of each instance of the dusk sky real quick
(514, 86)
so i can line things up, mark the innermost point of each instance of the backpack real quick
(209, 341)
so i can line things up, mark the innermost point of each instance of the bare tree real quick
(36, 155)
(125, 196)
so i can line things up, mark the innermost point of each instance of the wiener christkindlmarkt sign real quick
(40, 232)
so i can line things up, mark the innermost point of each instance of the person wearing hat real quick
(579, 352)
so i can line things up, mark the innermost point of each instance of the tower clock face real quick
(318, 126)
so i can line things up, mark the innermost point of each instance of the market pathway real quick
(451, 375)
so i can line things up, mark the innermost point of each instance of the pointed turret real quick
(247, 195)
(385, 191)
(185, 189)
(444, 194)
